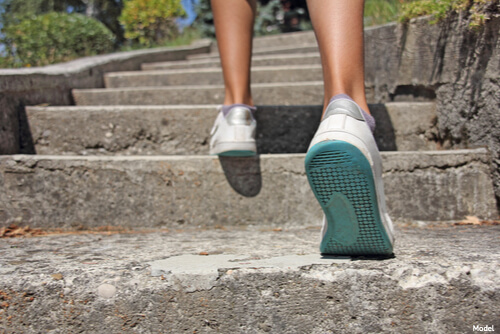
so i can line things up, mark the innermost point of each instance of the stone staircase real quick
(229, 245)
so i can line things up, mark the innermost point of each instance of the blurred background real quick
(41, 32)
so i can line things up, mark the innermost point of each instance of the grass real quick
(381, 11)
(477, 11)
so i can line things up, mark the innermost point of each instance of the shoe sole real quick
(234, 149)
(342, 181)
(237, 154)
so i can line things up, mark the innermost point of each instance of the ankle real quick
(231, 99)
(227, 108)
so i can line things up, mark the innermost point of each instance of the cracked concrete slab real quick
(253, 281)
(196, 272)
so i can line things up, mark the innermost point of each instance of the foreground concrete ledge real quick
(172, 191)
(441, 280)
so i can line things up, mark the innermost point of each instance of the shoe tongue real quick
(227, 109)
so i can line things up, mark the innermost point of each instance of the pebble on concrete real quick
(106, 290)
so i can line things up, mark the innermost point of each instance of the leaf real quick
(57, 276)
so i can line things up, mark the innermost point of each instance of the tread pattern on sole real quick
(235, 153)
(337, 167)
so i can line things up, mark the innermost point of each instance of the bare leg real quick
(234, 21)
(338, 25)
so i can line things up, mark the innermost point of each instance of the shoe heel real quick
(342, 180)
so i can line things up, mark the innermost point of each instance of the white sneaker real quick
(344, 169)
(234, 134)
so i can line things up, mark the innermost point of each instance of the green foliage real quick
(437, 8)
(269, 19)
(106, 11)
(381, 11)
(278, 16)
(186, 37)
(14, 11)
(151, 22)
(273, 17)
(54, 37)
(477, 11)
(204, 22)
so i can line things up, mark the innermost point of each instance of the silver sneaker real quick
(233, 134)
(344, 169)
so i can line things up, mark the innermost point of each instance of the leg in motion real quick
(338, 26)
(233, 133)
(343, 164)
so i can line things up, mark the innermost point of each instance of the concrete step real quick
(210, 76)
(161, 130)
(285, 40)
(295, 49)
(299, 93)
(441, 280)
(173, 191)
(271, 60)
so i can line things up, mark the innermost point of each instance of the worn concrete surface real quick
(53, 84)
(441, 280)
(272, 60)
(283, 40)
(210, 76)
(168, 130)
(172, 191)
(298, 93)
(272, 50)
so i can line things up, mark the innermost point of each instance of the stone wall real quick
(51, 85)
(450, 63)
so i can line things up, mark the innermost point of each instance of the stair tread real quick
(185, 129)
(270, 60)
(299, 48)
(153, 191)
(210, 76)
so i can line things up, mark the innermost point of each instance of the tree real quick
(151, 22)
(54, 37)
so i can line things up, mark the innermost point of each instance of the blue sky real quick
(189, 7)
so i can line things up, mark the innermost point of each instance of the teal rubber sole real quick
(237, 154)
(342, 180)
